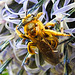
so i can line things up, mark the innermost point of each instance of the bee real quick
(41, 37)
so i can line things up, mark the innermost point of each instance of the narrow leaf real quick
(3, 66)
(4, 45)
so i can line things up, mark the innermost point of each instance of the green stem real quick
(36, 6)
(2, 67)
(21, 71)
(4, 45)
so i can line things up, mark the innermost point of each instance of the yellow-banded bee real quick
(41, 37)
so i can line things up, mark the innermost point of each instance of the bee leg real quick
(38, 15)
(31, 51)
(32, 48)
(19, 33)
(53, 41)
(50, 24)
(23, 20)
(54, 33)
(26, 59)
